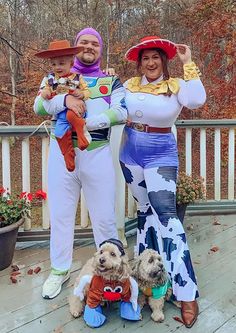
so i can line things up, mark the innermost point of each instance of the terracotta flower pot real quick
(8, 236)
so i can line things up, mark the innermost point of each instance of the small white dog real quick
(106, 276)
(153, 282)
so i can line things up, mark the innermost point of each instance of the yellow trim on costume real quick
(191, 71)
(162, 87)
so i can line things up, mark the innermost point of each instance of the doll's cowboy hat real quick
(152, 42)
(59, 48)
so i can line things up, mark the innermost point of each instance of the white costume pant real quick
(159, 227)
(94, 172)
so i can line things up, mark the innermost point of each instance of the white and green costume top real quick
(105, 107)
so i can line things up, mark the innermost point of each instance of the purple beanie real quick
(93, 69)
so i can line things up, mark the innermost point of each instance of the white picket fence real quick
(125, 206)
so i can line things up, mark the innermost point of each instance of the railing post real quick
(6, 165)
(231, 161)
(26, 175)
(203, 154)
(45, 212)
(131, 206)
(116, 134)
(217, 151)
(188, 151)
(83, 211)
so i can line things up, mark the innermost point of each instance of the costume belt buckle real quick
(139, 127)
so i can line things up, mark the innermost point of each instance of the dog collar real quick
(158, 291)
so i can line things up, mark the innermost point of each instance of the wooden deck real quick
(22, 309)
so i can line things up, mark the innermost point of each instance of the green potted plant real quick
(13, 210)
(189, 190)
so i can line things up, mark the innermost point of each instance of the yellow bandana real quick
(162, 87)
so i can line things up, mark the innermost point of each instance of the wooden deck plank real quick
(22, 308)
(228, 327)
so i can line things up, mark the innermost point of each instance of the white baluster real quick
(115, 140)
(45, 210)
(6, 166)
(188, 151)
(203, 154)
(217, 150)
(131, 206)
(26, 175)
(174, 131)
(231, 161)
(83, 212)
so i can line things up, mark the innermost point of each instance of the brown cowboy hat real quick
(151, 42)
(59, 48)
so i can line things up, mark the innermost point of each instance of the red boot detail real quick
(67, 149)
(78, 124)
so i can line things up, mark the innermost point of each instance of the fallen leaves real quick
(178, 319)
(13, 279)
(214, 249)
(16, 267)
(37, 270)
(190, 227)
(215, 221)
(58, 329)
(16, 272)
(30, 271)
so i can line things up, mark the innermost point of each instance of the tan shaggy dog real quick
(107, 262)
(149, 272)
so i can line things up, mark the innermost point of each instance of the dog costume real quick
(101, 289)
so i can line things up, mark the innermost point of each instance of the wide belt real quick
(148, 129)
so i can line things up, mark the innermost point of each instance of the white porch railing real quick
(207, 142)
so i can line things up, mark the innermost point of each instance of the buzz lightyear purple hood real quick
(88, 70)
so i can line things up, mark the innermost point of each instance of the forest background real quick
(207, 26)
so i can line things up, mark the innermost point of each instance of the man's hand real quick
(78, 94)
(184, 53)
(75, 104)
(46, 93)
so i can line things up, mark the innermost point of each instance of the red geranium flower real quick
(26, 195)
(30, 196)
(23, 195)
(2, 190)
(40, 194)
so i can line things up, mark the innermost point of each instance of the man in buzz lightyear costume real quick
(94, 171)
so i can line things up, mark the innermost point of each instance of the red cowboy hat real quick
(151, 42)
(59, 48)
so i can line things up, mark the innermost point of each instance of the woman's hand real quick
(184, 53)
(75, 104)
